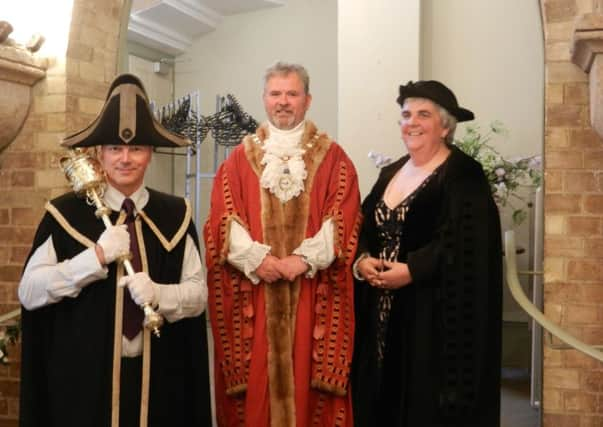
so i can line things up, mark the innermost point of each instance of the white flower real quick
(498, 128)
(500, 190)
(535, 162)
(379, 159)
(500, 172)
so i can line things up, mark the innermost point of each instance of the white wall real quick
(232, 59)
(378, 45)
(359, 52)
(491, 54)
(159, 88)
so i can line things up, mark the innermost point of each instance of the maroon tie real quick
(133, 315)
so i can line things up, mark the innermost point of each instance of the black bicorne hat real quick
(126, 118)
(436, 92)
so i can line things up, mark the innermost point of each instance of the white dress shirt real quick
(46, 281)
(246, 255)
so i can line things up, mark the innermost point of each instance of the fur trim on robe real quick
(284, 228)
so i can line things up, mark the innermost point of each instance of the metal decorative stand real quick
(227, 126)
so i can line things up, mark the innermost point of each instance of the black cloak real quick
(67, 347)
(442, 358)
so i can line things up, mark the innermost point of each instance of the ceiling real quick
(171, 26)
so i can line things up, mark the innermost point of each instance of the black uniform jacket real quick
(68, 346)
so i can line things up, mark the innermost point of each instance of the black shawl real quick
(442, 358)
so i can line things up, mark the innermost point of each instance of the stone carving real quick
(19, 71)
(587, 45)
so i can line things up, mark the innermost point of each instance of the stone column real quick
(19, 70)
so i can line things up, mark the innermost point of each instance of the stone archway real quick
(573, 223)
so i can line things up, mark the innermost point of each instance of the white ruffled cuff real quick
(245, 254)
(355, 271)
(318, 251)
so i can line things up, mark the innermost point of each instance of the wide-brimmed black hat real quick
(436, 92)
(126, 118)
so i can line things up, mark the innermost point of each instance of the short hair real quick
(447, 120)
(281, 68)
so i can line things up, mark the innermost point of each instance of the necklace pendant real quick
(285, 183)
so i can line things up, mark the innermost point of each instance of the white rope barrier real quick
(532, 310)
(10, 316)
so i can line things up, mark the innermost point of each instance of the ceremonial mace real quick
(87, 179)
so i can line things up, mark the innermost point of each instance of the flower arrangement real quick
(506, 176)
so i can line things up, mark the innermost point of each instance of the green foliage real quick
(506, 176)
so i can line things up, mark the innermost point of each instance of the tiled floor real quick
(515, 400)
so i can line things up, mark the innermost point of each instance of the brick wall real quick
(573, 383)
(65, 101)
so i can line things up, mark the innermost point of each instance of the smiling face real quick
(125, 165)
(421, 125)
(285, 100)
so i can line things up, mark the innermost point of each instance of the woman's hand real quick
(394, 276)
(369, 268)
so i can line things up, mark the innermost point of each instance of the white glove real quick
(115, 242)
(142, 288)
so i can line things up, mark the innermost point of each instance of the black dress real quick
(428, 354)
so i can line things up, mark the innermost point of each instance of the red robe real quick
(283, 351)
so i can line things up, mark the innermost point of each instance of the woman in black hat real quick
(428, 289)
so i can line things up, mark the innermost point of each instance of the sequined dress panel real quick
(390, 231)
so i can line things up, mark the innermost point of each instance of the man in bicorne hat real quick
(82, 357)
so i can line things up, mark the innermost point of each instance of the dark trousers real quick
(129, 394)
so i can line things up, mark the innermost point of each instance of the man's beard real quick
(283, 123)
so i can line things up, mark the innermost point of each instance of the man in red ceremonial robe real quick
(280, 240)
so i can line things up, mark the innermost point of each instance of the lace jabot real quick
(285, 170)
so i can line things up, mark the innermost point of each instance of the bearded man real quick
(280, 240)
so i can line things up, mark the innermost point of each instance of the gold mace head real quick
(83, 172)
(152, 319)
